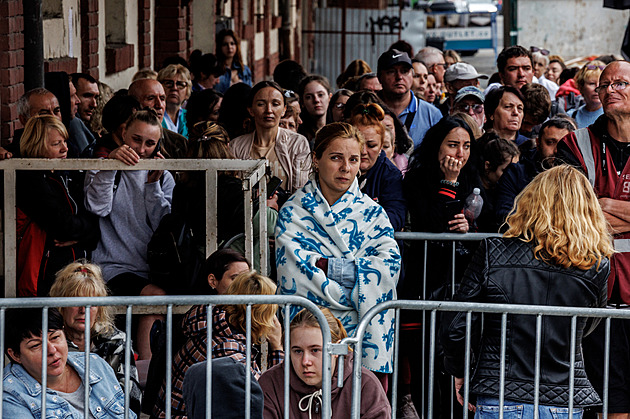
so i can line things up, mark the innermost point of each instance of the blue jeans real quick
(488, 408)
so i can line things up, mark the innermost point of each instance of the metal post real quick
(211, 212)
(209, 345)
(86, 373)
(127, 360)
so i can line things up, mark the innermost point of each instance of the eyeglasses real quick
(169, 84)
(477, 108)
(541, 50)
(595, 67)
(616, 86)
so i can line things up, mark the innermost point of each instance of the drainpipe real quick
(33, 45)
(286, 52)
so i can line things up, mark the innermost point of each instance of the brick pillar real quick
(170, 30)
(144, 33)
(11, 66)
(89, 37)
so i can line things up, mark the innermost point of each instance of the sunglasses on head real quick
(595, 67)
(541, 50)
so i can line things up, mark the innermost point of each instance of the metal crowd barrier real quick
(169, 301)
(253, 173)
(504, 309)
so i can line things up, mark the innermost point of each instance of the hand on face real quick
(451, 167)
(125, 154)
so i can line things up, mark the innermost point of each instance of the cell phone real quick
(273, 185)
(157, 148)
(454, 207)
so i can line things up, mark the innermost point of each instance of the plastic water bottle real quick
(473, 206)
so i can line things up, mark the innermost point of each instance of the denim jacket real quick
(22, 393)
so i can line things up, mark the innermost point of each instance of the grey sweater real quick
(129, 217)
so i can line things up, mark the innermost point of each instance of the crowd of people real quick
(416, 145)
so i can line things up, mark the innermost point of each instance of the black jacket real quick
(506, 271)
(54, 200)
(383, 183)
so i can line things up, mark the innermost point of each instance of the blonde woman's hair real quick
(36, 131)
(252, 283)
(176, 70)
(590, 69)
(559, 214)
(307, 319)
(84, 279)
(470, 122)
(145, 73)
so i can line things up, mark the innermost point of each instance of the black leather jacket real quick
(506, 271)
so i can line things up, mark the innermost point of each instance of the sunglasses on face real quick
(541, 50)
(477, 108)
(169, 84)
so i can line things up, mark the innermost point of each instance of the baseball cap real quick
(470, 91)
(392, 57)
(462, 71)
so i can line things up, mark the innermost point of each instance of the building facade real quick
(112, 39)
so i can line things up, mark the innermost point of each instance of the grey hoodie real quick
(129, 216)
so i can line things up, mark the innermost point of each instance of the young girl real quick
(305, 396)
(231, 61)
(131, 205)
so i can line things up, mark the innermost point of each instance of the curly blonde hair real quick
(252, 283)
(84, 279)
(559, 213)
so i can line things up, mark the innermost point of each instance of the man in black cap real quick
(395, 72)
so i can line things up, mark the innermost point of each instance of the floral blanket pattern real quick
(354, 228)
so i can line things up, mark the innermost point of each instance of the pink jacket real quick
(293, 154)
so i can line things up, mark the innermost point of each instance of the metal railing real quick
(253, 172)
(503, 309)
(169, 301)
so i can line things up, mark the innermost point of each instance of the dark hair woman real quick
(231, 61)
(315, 94)
(442, 174)
(286, 151)
(203, 106)
(65, 372)
(504, 108)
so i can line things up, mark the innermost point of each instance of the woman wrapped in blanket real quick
(336, 247)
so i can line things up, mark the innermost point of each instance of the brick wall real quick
(11, 65)
(170, 31)
(144, 33)
(89, 37)
(67, 64)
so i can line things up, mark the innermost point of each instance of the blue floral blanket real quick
(354, 228)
